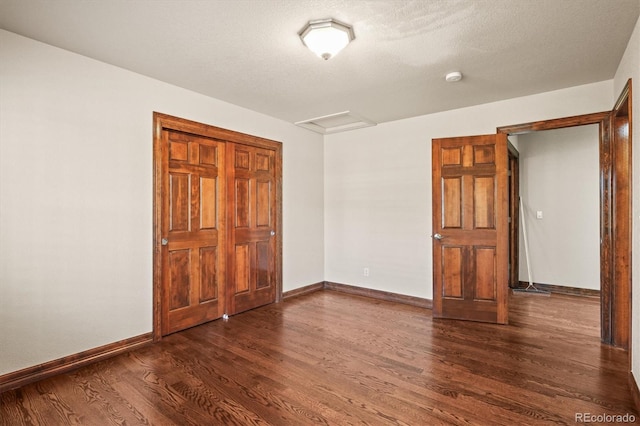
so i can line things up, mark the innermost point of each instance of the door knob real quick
(438, 236)
(273, 233)
(164, 241)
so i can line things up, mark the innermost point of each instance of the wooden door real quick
(217, 211)
(193, 229)
(470, 230)
(251, 173)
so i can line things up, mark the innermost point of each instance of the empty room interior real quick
(208, 216)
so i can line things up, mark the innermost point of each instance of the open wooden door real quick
(470, 228)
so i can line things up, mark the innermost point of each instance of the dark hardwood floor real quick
(338, 359)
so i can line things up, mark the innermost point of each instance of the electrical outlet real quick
(365, 272)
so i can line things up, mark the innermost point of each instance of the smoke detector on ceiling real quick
(453, 77)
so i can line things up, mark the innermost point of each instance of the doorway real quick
(556, 177)
(615, 211)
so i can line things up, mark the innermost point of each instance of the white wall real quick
(378, 186)
(559, 176)
(630, 68)
(76, 198)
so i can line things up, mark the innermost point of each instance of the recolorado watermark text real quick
(604, 418)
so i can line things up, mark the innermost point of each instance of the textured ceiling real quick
(247, 52)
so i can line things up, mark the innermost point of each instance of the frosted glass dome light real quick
(326, 37)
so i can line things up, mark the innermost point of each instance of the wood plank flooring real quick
(336, 359)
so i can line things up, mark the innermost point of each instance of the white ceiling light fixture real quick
(326, 37)
(452, 77)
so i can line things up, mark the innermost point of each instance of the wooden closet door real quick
(217, 210)
(193, 223)
(251, 174)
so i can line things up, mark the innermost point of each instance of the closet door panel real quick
(252, 210)
(193, 222)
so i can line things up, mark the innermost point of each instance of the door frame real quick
(615, 208)
(514, 213)
(167, 122)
